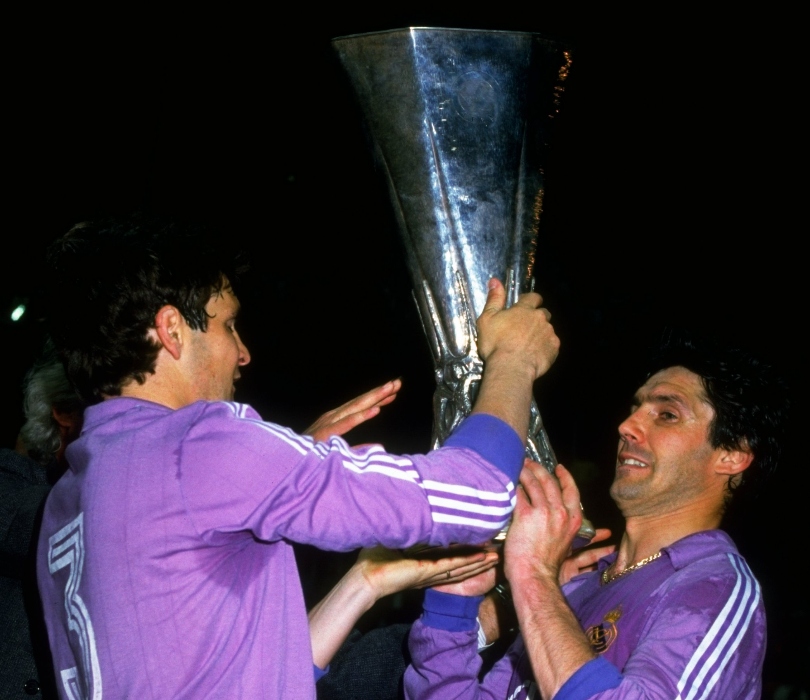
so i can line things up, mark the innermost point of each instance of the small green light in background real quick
(17, 314)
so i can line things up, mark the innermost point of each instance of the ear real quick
(169, 324)
(69, 423)
(64, 419)
(733, 462)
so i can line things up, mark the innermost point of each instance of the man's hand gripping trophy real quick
(514, 343)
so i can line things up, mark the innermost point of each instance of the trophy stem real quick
(458, 379)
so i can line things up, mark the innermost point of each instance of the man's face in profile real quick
(218, 352)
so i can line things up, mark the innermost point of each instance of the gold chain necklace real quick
(606, 578)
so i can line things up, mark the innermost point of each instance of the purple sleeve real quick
(594, 677)
(239, 474)
(493, 439)
(454, 613)
(444, 653)
(444, 649)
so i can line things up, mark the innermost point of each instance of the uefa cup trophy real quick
(460, 121)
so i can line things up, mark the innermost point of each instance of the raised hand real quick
(342, 419)
(523, 332)
(518, 345)
(546, 519)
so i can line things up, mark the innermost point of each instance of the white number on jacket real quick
(66, 550)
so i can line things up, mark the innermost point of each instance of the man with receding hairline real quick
(675, 612)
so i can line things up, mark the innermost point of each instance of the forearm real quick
(331, 620)
(555, 642)
(488, 619)
(377, 573)
(506, 391)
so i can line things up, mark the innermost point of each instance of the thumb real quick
(496, 297)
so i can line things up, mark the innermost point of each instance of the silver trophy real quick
(459, 121)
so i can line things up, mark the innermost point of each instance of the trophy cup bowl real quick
(459, 121)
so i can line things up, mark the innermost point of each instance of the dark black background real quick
(671, 198)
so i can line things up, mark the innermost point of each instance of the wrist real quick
(511, 362)
(521, 582)
(362, 582)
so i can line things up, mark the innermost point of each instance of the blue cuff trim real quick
(320, 672)
(449, 612)
(496, 441)
(594, 677)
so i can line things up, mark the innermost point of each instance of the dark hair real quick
(109, 278)
(749, 398)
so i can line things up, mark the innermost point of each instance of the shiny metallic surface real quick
(460, 120)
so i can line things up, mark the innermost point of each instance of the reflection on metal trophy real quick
(459, 120)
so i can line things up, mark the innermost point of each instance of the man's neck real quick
(156, 391)
(646, 535)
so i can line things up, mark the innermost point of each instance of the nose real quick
(244, 353)
(630, 429)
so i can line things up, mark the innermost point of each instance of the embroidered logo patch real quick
(601, 636)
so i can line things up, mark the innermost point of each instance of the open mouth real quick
(631, 462)
(628, 461)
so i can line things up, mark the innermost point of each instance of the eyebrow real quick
(660, 399)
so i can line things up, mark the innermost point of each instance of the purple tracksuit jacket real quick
(687, 626)
(163, 559)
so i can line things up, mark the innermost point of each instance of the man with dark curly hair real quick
(164, 559)
(675, 612)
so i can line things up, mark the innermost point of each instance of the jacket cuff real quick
(449, 612)
(594, 677)
(493, 439)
